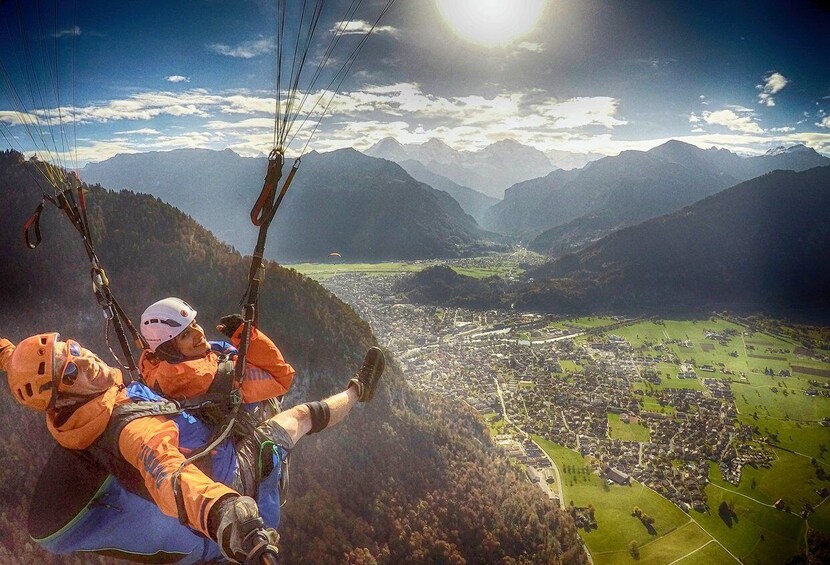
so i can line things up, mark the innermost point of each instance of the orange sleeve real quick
(151, 445)
(267, 375)
(180, 380)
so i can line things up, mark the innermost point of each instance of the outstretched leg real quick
(316, 416)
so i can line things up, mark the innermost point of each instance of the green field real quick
(325, 270)
(588, 322)
(782, 532)
(820, 519)
(690, 543)
(777, 405)
(618, 429)
(786, 412)
(322, 271)
(613, 504)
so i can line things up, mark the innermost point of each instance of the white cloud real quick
(246, 49)
(774, 82)
(353, 27)
(583, 111)
(507, 109)
(784, 129)
(732, 121)
(824, 123)
(249, 124)
(529, 46)
(142, 131)
(694, 118)
(148, 105)
(73, 31)
(177, 78)
(13, 118)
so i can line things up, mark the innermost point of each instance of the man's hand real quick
(241, 533)
(229, 324)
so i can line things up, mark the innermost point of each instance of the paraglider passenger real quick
(87, 408)
(181, 363)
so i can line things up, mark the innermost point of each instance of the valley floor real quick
(675, 441)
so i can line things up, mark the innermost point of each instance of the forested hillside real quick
(404, 480)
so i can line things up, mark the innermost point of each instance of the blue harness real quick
(121, 523)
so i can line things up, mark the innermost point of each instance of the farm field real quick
(618, 429)
(476, 268)
(776, 402)
(322, 271)
(770, 378)
(613, 504)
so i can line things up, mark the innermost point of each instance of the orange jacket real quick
(149, 444)
(267, 375)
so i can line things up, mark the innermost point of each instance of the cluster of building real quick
(511, 364)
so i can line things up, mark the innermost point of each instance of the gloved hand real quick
(241, 532)
(6, 349)
(229, 324)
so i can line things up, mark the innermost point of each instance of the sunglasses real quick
(70, 371)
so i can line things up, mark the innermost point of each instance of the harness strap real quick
(126, 413)
(264, 204)
(232, 395)
(65, 200)
(34, 220)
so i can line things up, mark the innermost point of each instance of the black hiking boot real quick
(367, 377)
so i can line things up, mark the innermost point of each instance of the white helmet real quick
(165, 319)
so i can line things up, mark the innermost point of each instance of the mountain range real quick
(761, 246)
(343, 201)
(490, 170)
(473, 202)
(566, 210)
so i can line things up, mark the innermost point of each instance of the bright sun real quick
(491, 22)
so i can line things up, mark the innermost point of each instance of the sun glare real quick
(491, 22)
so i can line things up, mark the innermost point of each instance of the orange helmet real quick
(31, 371)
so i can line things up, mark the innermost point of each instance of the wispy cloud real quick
(824, 123)
(12, 118)
(142, 131)
(149, 105)
(773, 83)
(177, 78)
(354, 27)
(528, 109)
(73, 31)
(530, 46)
(246, 49)
(730, 119)
(583, 111)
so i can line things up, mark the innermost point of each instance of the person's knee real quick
(319, 414)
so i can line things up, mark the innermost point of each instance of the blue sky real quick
(588, 76)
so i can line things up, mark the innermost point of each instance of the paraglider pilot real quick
(139, 438)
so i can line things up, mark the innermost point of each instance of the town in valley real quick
(695, 441)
